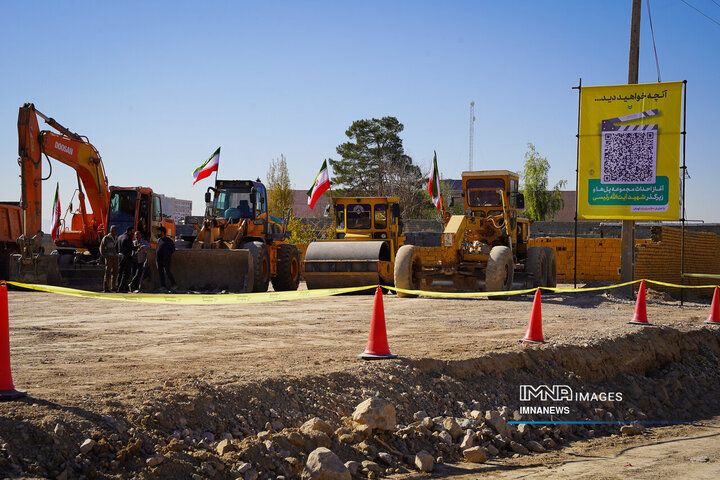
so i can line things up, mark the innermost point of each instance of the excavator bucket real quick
(206, 270)
(338, 264)
(38, 269)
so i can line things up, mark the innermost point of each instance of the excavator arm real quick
(72, 150)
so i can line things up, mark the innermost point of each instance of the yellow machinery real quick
(486, 245)
(237, 219)
(368, 232)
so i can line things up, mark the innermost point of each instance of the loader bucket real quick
(338, 264)
(205, 270)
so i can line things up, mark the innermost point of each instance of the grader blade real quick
(338, 264)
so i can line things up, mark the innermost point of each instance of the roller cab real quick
(368, 233)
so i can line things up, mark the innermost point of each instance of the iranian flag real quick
(322, 183)
(434, 184)
(210, 165)
(55, 214)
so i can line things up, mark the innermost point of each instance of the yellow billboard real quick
(629, 152)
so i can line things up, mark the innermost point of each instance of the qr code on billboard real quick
(629, 156)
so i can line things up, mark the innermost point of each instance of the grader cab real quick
(483, 248)
(368, 232)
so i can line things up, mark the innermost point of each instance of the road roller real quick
(368, 233)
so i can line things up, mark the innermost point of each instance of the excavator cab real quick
(140, 208)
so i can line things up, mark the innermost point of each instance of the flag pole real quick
(217, 169)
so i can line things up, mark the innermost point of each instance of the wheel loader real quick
(237, 218)
(484, 248)
(368, 233)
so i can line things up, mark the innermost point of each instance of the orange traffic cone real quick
(714, 316)
(640, 315)
(534, 334)
(7, 389)
(377, 346)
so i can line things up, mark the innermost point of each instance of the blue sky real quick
(158, 86)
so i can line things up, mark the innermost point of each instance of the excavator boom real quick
(72, 150)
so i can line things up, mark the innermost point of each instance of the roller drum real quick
(339, 264)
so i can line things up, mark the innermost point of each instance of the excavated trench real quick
(252, 430)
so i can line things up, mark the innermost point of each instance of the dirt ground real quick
(665, 452)
(71, 352)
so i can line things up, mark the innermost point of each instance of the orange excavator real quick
(76, 247)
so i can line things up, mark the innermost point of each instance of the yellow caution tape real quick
(195, 299)
(225, 299)
(700, 275)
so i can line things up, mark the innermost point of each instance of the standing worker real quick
(125, 249)
(109, 253)
(141, 245)
(165, 249)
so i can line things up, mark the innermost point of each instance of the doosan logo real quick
(64, 148)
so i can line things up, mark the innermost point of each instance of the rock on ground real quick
(424, 461)
(475, 455)
(323, 464)
(377, 413)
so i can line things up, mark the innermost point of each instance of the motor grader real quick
(484, 248)
(368, 233)
(237, 219)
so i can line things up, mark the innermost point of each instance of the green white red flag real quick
(322, 183)
(434, 184)
(210, 165)
(55, 214)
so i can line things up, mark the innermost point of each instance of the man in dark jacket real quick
(125, 251)
(165, 249)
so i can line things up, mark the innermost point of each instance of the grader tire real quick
(500, 270)
(288, 268)
(261, 265)
(404, 271)
(552, 267)
(537, 267)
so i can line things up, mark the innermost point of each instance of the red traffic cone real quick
(7, 389)
(640, 315)
(534, 334)
(377, 346)
(714, 316)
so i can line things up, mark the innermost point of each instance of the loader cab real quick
(238, 199)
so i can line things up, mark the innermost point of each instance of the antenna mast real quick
(472, 132)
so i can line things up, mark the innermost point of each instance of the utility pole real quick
(472, 135)
(627, 242)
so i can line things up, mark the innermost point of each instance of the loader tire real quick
(500, 270)
(552, 267)
(288, 268)
(261, 265)
(537, 267)
(405, 270)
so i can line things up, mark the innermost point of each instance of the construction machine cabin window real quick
(233, 204)
(358, 216)
(485, 192)
(340, 216)
(380, 217)
(122, 209)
